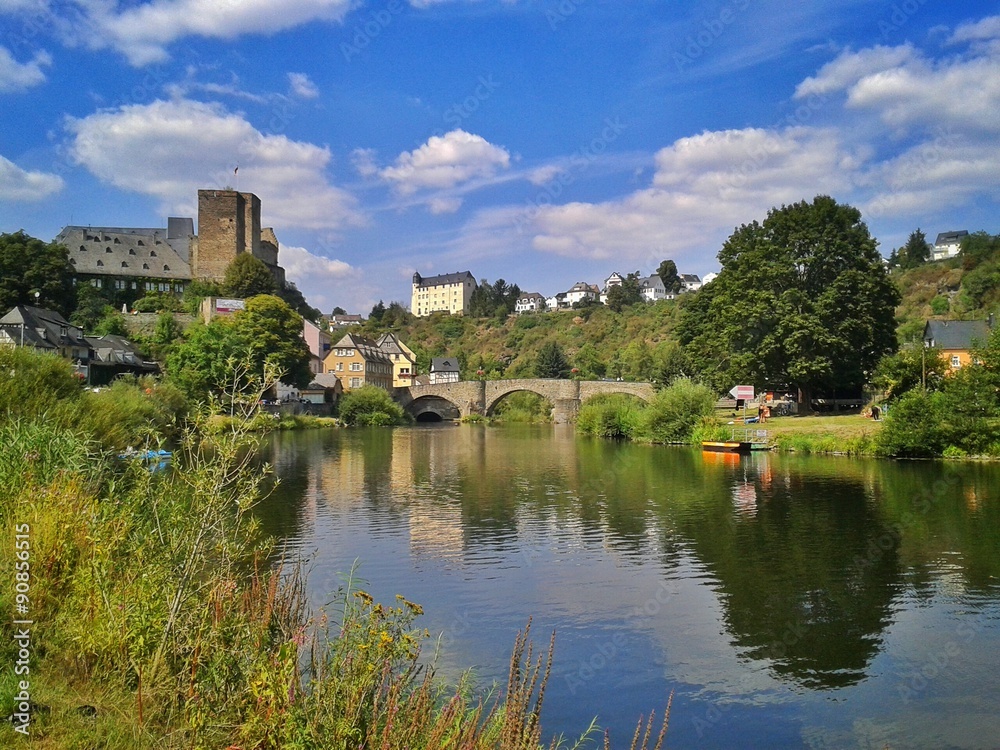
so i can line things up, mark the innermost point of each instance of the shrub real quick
(613, 415)
(372, 406)
(675, 411)
(912, 427)
(32, 384)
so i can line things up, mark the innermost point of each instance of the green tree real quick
(803, 299)
(28, 265)
(113, 323)
(668, 275)
(910, 368)
(236, 349)
(627, 294)
(339, 311)
(371, 406)
(979, 247)
(247, 276)
(377, 312)
(588, 361)
(297, 301)
(91, 308)
(496, 300)
(551, 362)
(915, 252)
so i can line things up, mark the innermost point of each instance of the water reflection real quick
(719, 576)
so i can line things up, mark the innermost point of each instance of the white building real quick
(444, 370)
(529, 302)
(948, 244)
(709, 278)
(690, 282)
(450, 293)
(580, 291)
(652, 289)
(615, 279)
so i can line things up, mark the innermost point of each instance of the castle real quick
(128, 263)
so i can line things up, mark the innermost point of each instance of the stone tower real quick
(228, 224)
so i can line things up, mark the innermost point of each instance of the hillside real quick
(638, 343)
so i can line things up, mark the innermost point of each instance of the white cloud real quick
(703, 186)
(142, 32)
(445, 161)
(15, 76)
(439, 206)
(850, 67)
(171, 149)
(17, 184)
(986, 29)
(363, 160)
(302, 86)
(302, 266)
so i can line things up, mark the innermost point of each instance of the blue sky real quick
(545, 142)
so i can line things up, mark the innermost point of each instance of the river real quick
(786, 601)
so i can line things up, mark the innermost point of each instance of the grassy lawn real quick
(840, 425)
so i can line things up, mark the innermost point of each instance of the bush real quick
(133, 412)
(913, 426)
(33, 384)
(614, 415)
(675, 411)
(371, 406)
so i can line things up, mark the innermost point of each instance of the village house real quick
(948, 244)
(404, 361)
(318, 342)
(114, 356)
(615, 279)
(450, 293)
(956, 339)
(652, 289)
(358, 361)
(529, 302)
(689, 282)
(444, 370)
(45, 331)
(340, 321)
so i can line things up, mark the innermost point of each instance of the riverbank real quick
(846, 434)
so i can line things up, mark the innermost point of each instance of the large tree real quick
(915, 252)
(803, 300)
(669, 276)
(27, 266)
(493, 300)
(247, 276)
(627, 293)
(551, 362)
(234, 349)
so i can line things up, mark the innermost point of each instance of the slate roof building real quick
(45, 331)
(948, 244)
(450, 293)
(444, 370)
(358, 361)
(127, 263)
(956, 339)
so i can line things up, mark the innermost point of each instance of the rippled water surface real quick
(786, 601)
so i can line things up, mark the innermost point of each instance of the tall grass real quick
(162, 623)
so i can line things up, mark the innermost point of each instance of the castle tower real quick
(228, 224)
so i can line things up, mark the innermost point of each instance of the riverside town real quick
(499, 376)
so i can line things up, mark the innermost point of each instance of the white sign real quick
(743, 392)
(229, 305)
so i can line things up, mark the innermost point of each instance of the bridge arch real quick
(433, 408)
(492, 408)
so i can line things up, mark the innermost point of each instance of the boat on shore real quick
(741, 441)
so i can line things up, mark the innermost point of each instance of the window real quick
(131, 250)
(96, 282)
(120, 284)
(152, 253)
(145, 266)
(100, 262)
(340, 367)
(83, 249)
(956, 361)
(355, 382)
(355, 367)
(140, 242)
(73, 261)
(150, 286)
(107, 249)
(166, 267)
(118, 242)
(124, 264)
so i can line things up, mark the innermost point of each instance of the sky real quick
(540, 141)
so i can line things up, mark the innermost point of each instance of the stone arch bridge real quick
(481, 396)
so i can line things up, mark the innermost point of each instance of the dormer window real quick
(83, 248)
(131, 251)
(145, 266)
(124, 264)
(73, 261)
(100, 262)
(117, 241)
(107, 249)
(166, 267)
(140, 242)
(152, 253)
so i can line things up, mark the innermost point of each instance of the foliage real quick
(524, 407)
(915, 252)
(977, 248)
(236, 349)
(626, 294)
(667, 272)
(911, 367)
(196, 291)
(247, 276)
(297, 301)
(28, 265)
(493, 300)
(378, 310)
(34, 384)
(133, 411)
(339, 311)
(802, 299)
(912, 426)
(158, 302)
(551, 362)
(940, 305)
(371, 406)
(675, 411)
(613, 415)
(91, 308)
